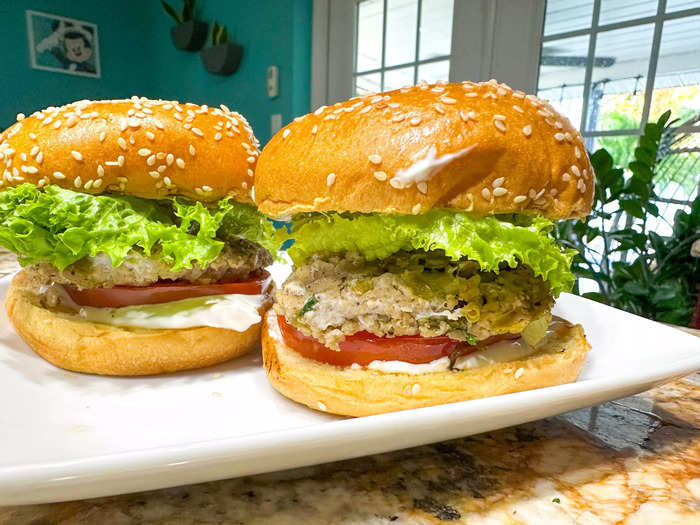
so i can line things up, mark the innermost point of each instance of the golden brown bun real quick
(524, 157)
(147, 148)
(94, 348)
(363, 392)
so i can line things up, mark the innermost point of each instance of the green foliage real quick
(187, 11)
(219, 34)
(636, 269)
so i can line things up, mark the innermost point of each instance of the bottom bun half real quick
(82, 346)
(361, 392)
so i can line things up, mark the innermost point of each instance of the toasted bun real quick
(511, 153)
(93, 348)
(147, 148)
(362, 392)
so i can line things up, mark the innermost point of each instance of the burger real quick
(424, 269)
(142, 250)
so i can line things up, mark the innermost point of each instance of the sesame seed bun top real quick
(479, 147)
(141, 147)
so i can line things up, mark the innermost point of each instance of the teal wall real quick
(137, 57)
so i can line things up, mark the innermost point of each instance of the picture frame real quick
(63, 45)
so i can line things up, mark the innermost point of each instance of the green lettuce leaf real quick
(487, 240)
(61, 226)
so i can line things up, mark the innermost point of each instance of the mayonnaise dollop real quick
(425, 169)
(233, 311)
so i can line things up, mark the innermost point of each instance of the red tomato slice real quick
(164, 292)
(363, 347)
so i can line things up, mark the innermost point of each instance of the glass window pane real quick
(435, 28)
(680, 5)
(619, 78)
(434, 71)
(371, 83)
(612, 11)
(677, 84)
(566, 15)
(401, 22)
(397, 78)
(562, 72)
(369, 35)
(621, 148)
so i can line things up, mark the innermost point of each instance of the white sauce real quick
(426, 168)
(234, 312)
(502, 352)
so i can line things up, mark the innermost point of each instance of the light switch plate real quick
(273, 83)
(275, 123)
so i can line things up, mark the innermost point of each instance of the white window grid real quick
(416, 63)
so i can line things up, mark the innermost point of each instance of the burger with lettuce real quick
(424, 272)
(143, 252)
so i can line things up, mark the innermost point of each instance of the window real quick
(401, 42)
(612, 65)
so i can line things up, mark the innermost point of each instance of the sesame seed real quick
(180, 163)
(330, 179)
(102, 136)
(151, 160)
(154, 174)
(518, 94)
(422, 187)
(365, 109)
(585, 174)
(559, 137)
(100, 171)
(207, 189)
(519, 199)
(500, 91)
(472, 115)
(167, 181)
(134, 123)
(20, 117)
(77, 155)
(198, 132)
(250, 172)
(396, 183)
(78, 182)
(144, 152)
(566, 177)
(192, 150)
(150, 136)
(380, 175)
(375, 159)
(577, 152)
(499, 117)
(319, 110)
(111, 163)
(23, 157)
(162, 168)
(416, 209)
(497, 183)
(285, 133)
(500, 192)
(40, 157)
(539, 194)
(394, 105)
(518, 109)
(582, 186)
(575, 171)
(34, 151)
(170, 159)
(132, 141)
(415, 121)
(500, 126)
(158, 124)
(558, 124)
(97, 183)
(120, 160)
(439, 109)
(471, 94)
(314, 129)
(438, 89)
(486, 194)
(251, 160)
(122, 143)
(30, 169)
(57, 124)
(398, 118)
(88, 185)
(519, 372)
(32, 136)
(448, 100)
(527, 130)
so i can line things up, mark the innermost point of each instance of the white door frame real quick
(490, 39)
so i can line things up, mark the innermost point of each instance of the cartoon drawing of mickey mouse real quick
(71, 45)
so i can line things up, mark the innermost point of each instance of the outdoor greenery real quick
(636, 269)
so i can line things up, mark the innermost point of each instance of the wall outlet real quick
(275, 123)
(273, 81)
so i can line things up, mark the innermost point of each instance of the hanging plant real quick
(224, 56)
(189, 34)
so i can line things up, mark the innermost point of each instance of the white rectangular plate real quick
(69, 436)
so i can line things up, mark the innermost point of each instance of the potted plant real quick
(224, 56)
(189, 34)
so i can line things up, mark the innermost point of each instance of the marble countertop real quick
(633, 461)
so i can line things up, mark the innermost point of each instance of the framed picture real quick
(63, 45)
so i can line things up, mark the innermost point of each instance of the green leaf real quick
(61, 226)
(489, 241)
(642, 171)
(308, 306)
(635, 288)
(595, 296)
(632, 207)
(171, 11)
(188, 10)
